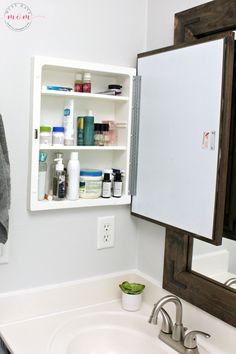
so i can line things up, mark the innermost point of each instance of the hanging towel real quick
(4, 185)
(3, 348)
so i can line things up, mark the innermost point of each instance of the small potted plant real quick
(131, 295)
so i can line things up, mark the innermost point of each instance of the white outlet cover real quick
(105, 232)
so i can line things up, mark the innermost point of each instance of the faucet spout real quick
(165, 300)
(151, 318)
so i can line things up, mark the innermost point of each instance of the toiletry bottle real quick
(106, 186)
(52, 170)
(89, 129)
(96, 134)
(42, 175)
(45, 137)
(73, 170)
(101, 140)
(59, 181)
(80, 131)
(117, 185)
(68, 123)
(112, 136)
(78, 87)
(87, 82)
(106, 136)
(66, 180)
(58, 136)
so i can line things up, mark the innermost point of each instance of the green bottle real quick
(89, 129)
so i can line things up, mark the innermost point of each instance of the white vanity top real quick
(30, 319)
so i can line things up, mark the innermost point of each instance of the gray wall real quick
(55, 246)
(160, 22)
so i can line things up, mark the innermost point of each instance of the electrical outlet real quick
(105, 232)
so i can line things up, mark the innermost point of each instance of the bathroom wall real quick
(160, 28)
(55, 246)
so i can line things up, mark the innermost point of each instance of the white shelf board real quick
(66, 204)
(84, 95)
(75, 148)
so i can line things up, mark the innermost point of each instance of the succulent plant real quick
(131, 288)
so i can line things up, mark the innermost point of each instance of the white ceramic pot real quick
(131, 302)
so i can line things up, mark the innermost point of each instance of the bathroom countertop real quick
(36, 335)
(30, 318)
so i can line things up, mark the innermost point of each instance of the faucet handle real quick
(190, 339)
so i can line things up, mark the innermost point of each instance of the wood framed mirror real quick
(215, 298)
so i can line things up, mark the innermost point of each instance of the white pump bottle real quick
(73, 170)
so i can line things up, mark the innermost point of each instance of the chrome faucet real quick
(178, 330)
(174, 334)
(230, 281)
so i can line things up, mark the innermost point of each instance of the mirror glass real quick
(179, 127)
(216, 262)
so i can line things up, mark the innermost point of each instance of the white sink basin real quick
(108, 333)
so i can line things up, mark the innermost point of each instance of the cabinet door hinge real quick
(133, 167)
(36, 134)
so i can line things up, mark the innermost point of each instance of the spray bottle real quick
(73, 169)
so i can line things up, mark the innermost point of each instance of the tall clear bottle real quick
(59, 181)
(52, 170)
(73, 170)
(42, 175)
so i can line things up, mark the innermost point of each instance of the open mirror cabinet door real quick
(185, 115)
(217, 299)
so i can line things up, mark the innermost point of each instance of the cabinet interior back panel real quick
(179, 136)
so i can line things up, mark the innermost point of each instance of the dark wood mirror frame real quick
(217, 299)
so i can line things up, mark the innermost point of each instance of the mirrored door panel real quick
(180, 137)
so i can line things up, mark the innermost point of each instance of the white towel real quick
(4, 185)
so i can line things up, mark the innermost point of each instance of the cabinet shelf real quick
(48, 110)
(65, 204)
(84, 148)
(82, 95)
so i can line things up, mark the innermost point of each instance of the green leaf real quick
(131, 288)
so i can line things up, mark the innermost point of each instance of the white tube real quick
(68, 123)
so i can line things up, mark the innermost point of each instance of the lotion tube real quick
(68, 123)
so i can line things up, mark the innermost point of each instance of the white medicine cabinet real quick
(47, 110)
(173, 131)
